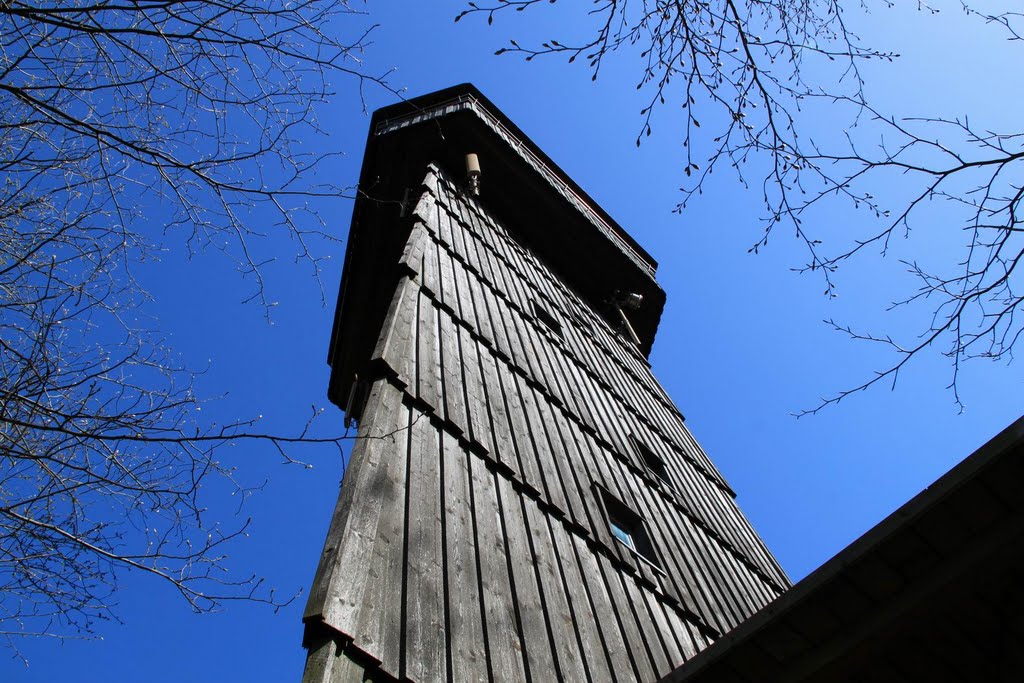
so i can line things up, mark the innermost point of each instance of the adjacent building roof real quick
(934, 592)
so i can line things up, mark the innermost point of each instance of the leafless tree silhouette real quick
(111, 113)
(756, 72)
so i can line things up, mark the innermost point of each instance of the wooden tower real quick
(524, 501)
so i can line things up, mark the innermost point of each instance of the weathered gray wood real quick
(715, 612)
(502, 446)
(589, 632)
(430, 276)
(604, 612)
(505, 567)
(533, 616)
(684, 637)
(428, 356)
(652, 640)
(634, 636)
(465, 618)
(505, 641)
(500, 338)
(660, 520)
(412, 254)
(581, 387)
(665, 633)
(424, 614)
(444, 229)
(482, 316)
(396, 345)
(476, 400)
(425, 208)
(367, 530)
(466, 309)
(451, 372)
(509, 319)
(481, 261)
(449, 296)
(559, 359)
(563, 626)
(593, 476)
(499, 272)
(459, 247)
(534, 344)
(549, 348)
(520, 432)
(537, 438)
(320, 661)
(562, 467)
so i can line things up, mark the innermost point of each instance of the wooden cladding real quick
(508, 437)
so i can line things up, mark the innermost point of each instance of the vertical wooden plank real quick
(588, 630)
(476, 399)
(591, 472)
(459, 233)
(430, 277)
(449, 298)
(513, 282)
(412, 254)
(684, 635)
(611, 421)
(504, 639)
(548, 425)
(553, 354)
(502, 446)
(425, 207)
(501, 343)
(483, 317)
(467, 247)
(635, 638)
(451, 372)
(428, 356)
(548, 470)
(534, 342)
(647, 626)
(468, 310)
(603, 473)
(563, 627)
(498, 271)
(661, 519)
(444, 230)
(510, 319)
(707, 592)
(528, 467)
(606, 617)
(483, 263)
(396, 346)
(665, 632)
(533, 617)
(367, 529)
(424, 614)
(465, 628)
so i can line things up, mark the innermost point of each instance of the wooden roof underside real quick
(934, 592)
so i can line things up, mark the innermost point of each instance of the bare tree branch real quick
(127, 126)
(744, 65)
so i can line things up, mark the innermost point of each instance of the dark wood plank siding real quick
(471, 539)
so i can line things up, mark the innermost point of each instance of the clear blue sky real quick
(741, 344)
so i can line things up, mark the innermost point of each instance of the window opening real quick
(628, 528)
(655, 464)
(545, 317)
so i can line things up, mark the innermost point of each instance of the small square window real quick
(581, 320)
(543, 315)
(655, 464)
(628, 528)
